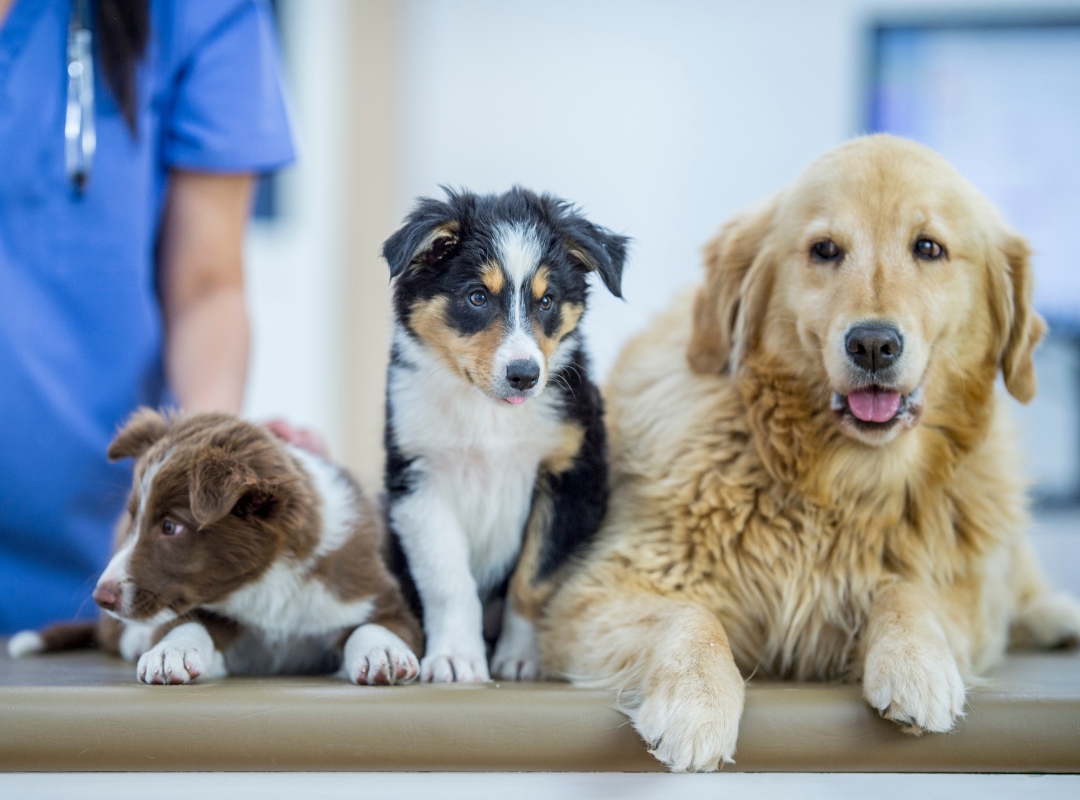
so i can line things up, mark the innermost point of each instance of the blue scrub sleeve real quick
(228, 112)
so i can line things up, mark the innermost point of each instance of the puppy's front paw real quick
(516, 669)
(914, 683)
(375, 656)
(453, 668)
(173, 662)
(517, 654)
(690, 723)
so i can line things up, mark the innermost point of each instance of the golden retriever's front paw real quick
(692, 725)
(914, 683)
(1052, 620)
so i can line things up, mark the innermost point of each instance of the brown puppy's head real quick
(882, 279)
(214, 501)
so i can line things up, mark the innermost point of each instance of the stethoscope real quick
(80, 139)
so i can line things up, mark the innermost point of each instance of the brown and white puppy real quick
(239, 554)
(812, 475)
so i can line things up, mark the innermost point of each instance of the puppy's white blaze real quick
(147, 482)
(519, 344)
(338, 501)
(519, 251)
(117, 568)
(25, 643)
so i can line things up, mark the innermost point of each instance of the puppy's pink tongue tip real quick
(517, 401)
(874, 405)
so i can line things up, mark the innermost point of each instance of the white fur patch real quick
(135, 640)
(25, 643)
(519, 252)
(184, 654)
(517, 655)
(337, 501)
(374, 655)
(285, 601)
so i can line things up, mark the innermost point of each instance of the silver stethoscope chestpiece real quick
(80, 139)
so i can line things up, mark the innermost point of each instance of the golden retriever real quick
(813, 478)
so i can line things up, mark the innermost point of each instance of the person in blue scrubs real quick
(127, 290)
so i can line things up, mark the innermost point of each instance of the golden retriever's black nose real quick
(874, 347)
(522, 374)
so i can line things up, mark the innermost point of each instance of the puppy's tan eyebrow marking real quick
(492, 277)
(540, 282)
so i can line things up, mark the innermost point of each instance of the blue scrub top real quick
(80, 323)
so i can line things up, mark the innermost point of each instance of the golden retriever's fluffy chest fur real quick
(791, 572)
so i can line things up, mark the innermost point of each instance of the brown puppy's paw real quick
(377, 657)
(173, 662)
(1052, 620)
(691, 721)
(914, 683)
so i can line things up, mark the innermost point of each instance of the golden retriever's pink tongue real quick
(874, 405)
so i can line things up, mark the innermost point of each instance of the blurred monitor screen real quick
(1001, 101)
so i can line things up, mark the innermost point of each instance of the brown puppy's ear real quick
(218, 481)
(1026, 328)
(728, 259)
(142, 429)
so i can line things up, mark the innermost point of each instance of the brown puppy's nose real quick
(874, 347)
(107, 595)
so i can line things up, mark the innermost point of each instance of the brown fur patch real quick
(571, 316)
(470, 357)
(492, 277)
(561, 457)
(540, 282)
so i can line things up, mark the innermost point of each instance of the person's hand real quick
(304, 438)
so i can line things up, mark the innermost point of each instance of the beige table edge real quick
(84, 712)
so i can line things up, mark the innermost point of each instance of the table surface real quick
(84, 711)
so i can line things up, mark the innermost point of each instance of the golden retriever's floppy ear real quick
(138, 435)
(728, 259)
(1024, 326)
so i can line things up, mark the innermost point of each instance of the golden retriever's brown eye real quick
(826, 251)
(171, 528)
(545, 302)
(929, 249)
(478, 298)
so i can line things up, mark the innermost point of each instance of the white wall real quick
(659, 118)
(294, 263)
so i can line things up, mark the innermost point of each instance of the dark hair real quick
(123, 30)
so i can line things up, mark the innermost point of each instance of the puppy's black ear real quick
(430, 233)
(596, 249)
(218, 482)
(138, 435)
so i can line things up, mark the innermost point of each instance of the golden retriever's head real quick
(882, 279)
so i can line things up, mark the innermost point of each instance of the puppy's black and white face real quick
(495, 285)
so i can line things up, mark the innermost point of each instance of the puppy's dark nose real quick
(874, 347)
(522, 374)
(107, 595)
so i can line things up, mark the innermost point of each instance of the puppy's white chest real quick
(478, 459)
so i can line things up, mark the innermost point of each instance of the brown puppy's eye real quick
(929, 249)
(478, 298)
(826, 251)
(545, 302)
(170, 528)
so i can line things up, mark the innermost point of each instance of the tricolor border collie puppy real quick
(496, 466)
(239, 554)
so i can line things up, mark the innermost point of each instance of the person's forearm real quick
(206, 353)
(201, 282)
